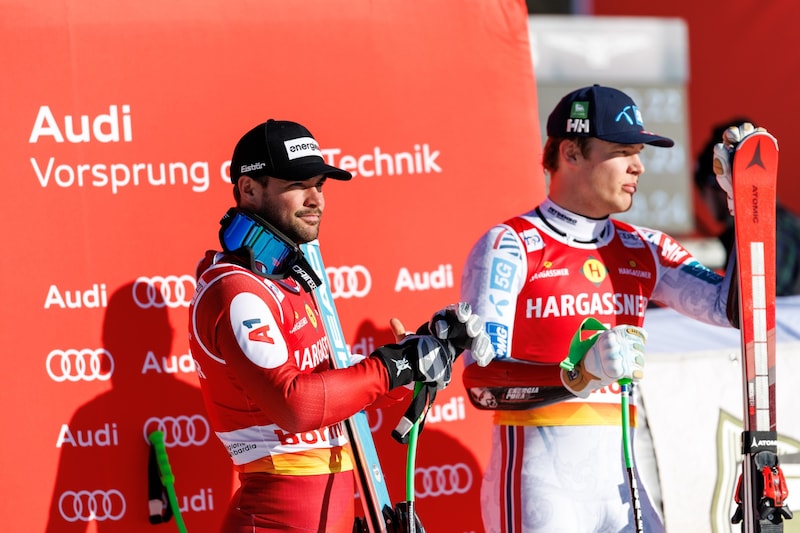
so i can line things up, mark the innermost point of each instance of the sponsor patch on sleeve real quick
(630, 239)
(532, 239)
(257, 333)
(498, 334)
(502, 274)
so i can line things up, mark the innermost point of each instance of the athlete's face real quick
(601, 181)
(294, 207)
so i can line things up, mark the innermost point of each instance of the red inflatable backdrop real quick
(742, 63)
(118, 124)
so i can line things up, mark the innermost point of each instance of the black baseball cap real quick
(281, 149)
(603, 112)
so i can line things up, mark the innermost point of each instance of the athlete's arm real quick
(508, 385)
(257, 356)
(686, 285)
(494, 274)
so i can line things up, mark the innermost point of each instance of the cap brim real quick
(307, 171)
(644, 137)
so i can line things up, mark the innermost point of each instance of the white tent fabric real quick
(692, 394)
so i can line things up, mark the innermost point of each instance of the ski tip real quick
(757, 137)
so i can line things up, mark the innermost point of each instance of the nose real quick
(313, 197)
(636, 166)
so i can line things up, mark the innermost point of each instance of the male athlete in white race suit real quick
(556, 463)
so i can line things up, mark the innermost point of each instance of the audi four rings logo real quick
(349, 281)
(163, 291)
(443, 480)
(87, 505)
(80, 365)
(179, 430)
(375, 425)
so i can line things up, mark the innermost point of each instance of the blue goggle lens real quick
(272, 255)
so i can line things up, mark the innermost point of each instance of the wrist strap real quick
(578, 347)
(422, 400)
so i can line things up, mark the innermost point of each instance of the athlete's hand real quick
(723, 156)
(398, 329)
(417, 358)
(462, 330)
(428, 355)
(618, 353)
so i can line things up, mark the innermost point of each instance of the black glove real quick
(428, 356)
(421, 358)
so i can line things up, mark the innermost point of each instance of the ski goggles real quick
(272, 255)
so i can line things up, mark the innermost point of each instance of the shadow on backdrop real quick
(102, 479)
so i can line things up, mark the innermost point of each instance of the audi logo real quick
(180, 430)
(87, 505)
(443, 480)
(163, 291)
(80, 365)
(375, 425)
(349, 281)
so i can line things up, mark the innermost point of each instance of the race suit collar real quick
(573, 227)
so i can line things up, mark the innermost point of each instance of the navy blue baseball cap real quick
(281, 149)
(603, 112)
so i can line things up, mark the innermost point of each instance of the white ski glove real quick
(428, 355)
(723, 156)
(463, 329)
(618, 353)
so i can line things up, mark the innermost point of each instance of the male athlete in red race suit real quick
(262, 355)
(556, 463)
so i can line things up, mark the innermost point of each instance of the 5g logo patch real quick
(502, 274)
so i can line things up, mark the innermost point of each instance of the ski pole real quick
(407, 432)
(156, 438)
(577, 349)
(627, 447)
(411, 461)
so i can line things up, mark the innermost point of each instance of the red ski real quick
(761, 490)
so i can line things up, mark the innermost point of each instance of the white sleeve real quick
(493, 276)
(686, 285)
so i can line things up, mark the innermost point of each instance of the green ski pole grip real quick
(578, 347)
(156, 438)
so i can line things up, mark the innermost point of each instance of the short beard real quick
(296, 235)
(308, 235)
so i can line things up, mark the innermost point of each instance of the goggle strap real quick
(246, 255)
(304, 274)
(298, 269)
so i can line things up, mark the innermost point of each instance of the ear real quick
(569, 151)
(246, 186)
(249, 192)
